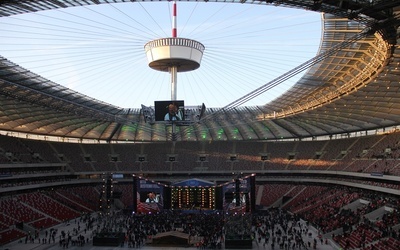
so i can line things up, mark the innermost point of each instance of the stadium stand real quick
(352, 212)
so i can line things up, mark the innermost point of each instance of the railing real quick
(174, 41)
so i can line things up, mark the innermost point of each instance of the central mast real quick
(174, 55)
(174, 68)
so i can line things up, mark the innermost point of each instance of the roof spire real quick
(174, 32)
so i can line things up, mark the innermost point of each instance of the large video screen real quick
(236, 195)
(150, 197)
(169, 111)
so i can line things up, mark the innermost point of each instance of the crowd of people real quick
(283, 230)
(272, 228)
(140, 228)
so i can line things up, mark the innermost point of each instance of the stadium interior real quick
(327, 150)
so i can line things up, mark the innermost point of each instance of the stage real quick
(108, 239)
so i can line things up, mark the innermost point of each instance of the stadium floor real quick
(21, 245)
(31, 246)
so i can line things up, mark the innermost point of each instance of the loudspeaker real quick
(219, 198)
(134, 190)
(167, 197)
(108, 189)
(253, 193)
(237, 192)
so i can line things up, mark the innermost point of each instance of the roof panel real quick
(363, 76)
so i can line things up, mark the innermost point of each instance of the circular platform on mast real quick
(182, 53)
